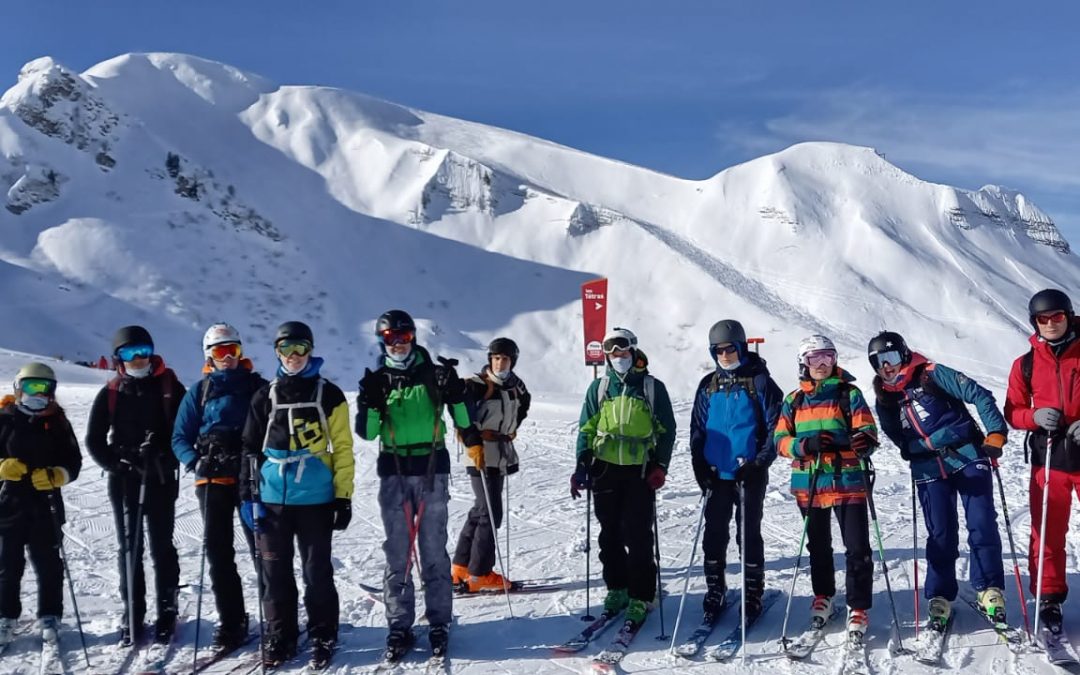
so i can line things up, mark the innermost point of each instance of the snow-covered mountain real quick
(175, 191)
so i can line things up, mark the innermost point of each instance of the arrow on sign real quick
(598, 306)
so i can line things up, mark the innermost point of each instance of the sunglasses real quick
(824, 357)
(130, 353)
(225, 350)
(293, 347)
(33, 386)
(725, 349)
(616, 344)
(879, 360)
(1052, 317)
(392, 337)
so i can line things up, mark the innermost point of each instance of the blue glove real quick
(251, 512)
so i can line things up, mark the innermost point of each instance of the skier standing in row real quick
(299, 448)
(921, 408)
(626, 435)
(207, 442)
(1044, 399)
(38, 455)
(731, 448)
(502, 403)
(128, 434)
(827, 430)
(401, 403)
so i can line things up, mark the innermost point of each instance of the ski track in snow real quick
(547, 532)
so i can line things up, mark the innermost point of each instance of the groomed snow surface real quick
(547, 538)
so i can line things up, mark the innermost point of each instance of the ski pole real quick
(134, 552)
(67, 572)
(506, 521)
(495, 538)
(1042, 533)
(202, 578)
(802, 541)
(256, 514)
(915, 550)
(588, 554)
(689, 566)
(740, 494)
(659, 585)
(881, 551)
(1012, 547)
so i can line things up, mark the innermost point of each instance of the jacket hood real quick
(314, 365)
(906, 373)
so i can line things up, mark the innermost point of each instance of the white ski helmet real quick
(619, 338)
(814, 343)
(219, 334)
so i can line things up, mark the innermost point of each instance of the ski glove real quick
(342, 513)
(476, 454)
(748, 468)
(12, 469)
(1074, 432)
(148, 449)
(251, 512)
(993, 444)
(655, 477)
(862, 444)
(817, 444)
(1048, 419)
(49, 479)
(581, 480)
(374, 390)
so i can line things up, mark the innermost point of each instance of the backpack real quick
(649, 385)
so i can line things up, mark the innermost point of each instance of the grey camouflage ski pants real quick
(400, 500)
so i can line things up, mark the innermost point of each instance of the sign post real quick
(594, 321)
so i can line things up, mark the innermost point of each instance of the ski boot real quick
(992, 603)
(439, 637)
(820, 610)
(940, 611)
(50, 627)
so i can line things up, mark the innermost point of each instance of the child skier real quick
(627, 432)
(921, 407)
(502, 403)
(39, 454)
(827, 430)
(731, 448)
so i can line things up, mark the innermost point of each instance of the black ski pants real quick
(310, 526)
(219, 503)
(855, 531)
(159, 517)
(36, 533)
(722, 504)
(476, 544)
(624, 507)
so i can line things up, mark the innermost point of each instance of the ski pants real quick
(476, 544)
(310, 526)
(974, 484)
(1060, 490)
(854, 524)
(219, 503)
(159, 517)
(624, 507)
(414, 515)
(725, 500)
(36, 533)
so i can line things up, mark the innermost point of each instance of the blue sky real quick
(962, 93)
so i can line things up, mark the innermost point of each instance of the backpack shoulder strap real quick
(168, 390)
(1027, 365)
(113, 394)
(650, 391)
(601, 390)
(845, 403)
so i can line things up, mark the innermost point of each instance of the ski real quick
(605, 661)
(1010, 635)
(217, 655)
(804, 645)
(853, 658)
(731, 644)
(51, 661)
(437, 665)
(582, 639)
(1055, 643)
(462, 591)
(931, 643)
(692, 645)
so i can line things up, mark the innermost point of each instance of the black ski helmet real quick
(728, 330)
(505, 347)
(131, 335)
(1049, 300)
(888, 341)
(395, 319)
(294, 330)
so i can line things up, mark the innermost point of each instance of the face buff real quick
(34, 403)
(138, 373)
(499, 375)
(399, 361)
(621, 364)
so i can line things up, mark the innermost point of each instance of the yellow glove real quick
(12, 469)
(476, 454)
(49, 479)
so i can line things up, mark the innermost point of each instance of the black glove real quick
(706, 478)
(193, 466)
(581, 480)
(148, 450)
(862, 444)
(821, 442)
(751, 467)
(374, 390)
(342, 513)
